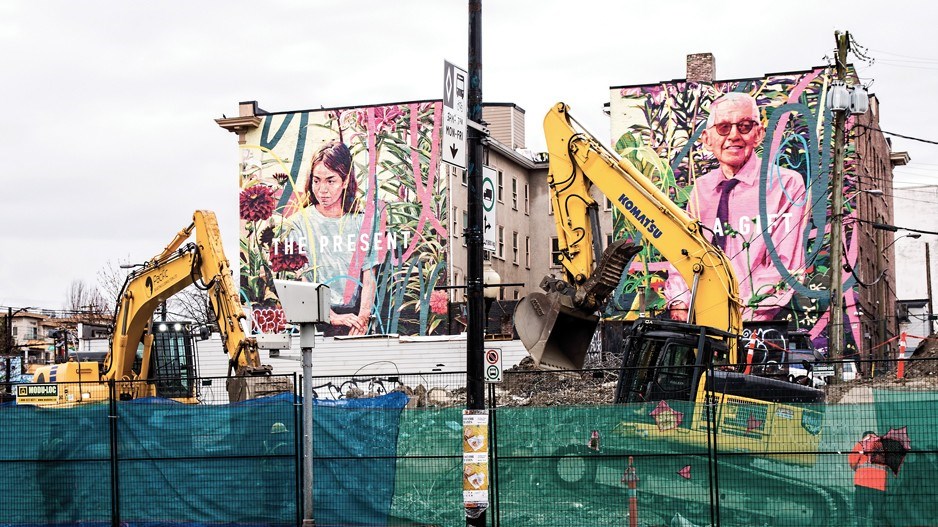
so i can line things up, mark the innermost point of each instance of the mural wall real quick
(774, 138)
(352, 198)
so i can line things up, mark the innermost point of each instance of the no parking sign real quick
(493, 365)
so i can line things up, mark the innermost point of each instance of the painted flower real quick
(257, 203)
(267, 236)
(281, 178)
(385, 118)
(439, 302)
(287, 258)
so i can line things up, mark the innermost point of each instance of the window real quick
(516, 295)
(514, 193)
(527, 252)
(555, 255)
(608, 240)
(465, 176)
(608, 203)
(455, 222)
(500, 250)
(501, 186)
(514, 247)
(527, 207)
(465, 225)
(550, 206)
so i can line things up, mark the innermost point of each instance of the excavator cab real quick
(662, 360)
(172, 360)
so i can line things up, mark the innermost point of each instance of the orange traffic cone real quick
(630, 478)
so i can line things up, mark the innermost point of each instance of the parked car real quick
(808, 368)
(821, 373)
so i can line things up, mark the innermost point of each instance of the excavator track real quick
(751, 491)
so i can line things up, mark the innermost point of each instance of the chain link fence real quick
(388, 451)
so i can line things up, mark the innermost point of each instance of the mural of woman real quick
(329, 229)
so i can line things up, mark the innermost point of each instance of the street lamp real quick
(492, 282)
(886, 302)
(913, 235)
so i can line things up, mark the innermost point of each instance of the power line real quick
(928, 141)
(902, 55)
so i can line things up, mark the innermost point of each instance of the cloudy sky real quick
(110, 142)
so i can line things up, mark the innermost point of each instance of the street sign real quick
(489, 236)
(37, 394)
(454, 115)
(493, 365)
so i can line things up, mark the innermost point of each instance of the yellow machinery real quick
(664, 363)
(140, 348)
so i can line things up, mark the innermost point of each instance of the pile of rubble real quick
(525, 385)
(921, 373)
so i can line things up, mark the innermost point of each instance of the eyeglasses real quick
(744, 127)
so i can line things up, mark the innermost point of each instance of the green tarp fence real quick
(379, 464)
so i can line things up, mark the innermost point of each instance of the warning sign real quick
(37, 394)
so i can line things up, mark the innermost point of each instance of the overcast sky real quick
(108, 106)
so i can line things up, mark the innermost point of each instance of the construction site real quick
(720, 314)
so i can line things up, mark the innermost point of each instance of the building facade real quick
(915, 265)
(358, 198)
(417, 205)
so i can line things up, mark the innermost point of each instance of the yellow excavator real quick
(148, 358)
(666, 364)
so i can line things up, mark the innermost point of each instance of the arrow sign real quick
(490, 236)
(454, 115)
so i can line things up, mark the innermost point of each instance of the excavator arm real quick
(577, 163)
(179, 265)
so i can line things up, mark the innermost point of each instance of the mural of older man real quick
(728, 202)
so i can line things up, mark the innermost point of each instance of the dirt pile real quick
(525, 385)
(921, 373)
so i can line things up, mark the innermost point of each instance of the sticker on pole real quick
(475, 481)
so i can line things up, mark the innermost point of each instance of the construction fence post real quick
(630, 478)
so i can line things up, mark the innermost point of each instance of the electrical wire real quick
(928, 141)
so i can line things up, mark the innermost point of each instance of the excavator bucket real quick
(555, 333)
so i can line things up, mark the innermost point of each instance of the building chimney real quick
(701, 68)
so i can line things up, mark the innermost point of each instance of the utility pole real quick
(475, 330)
(835, 330)
(931, 308)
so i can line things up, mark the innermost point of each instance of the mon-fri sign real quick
(454, 115)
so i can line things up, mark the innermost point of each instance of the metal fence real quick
(562, 454)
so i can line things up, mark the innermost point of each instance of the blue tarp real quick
(198, 464)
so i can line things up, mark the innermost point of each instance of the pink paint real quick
(425, 193)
